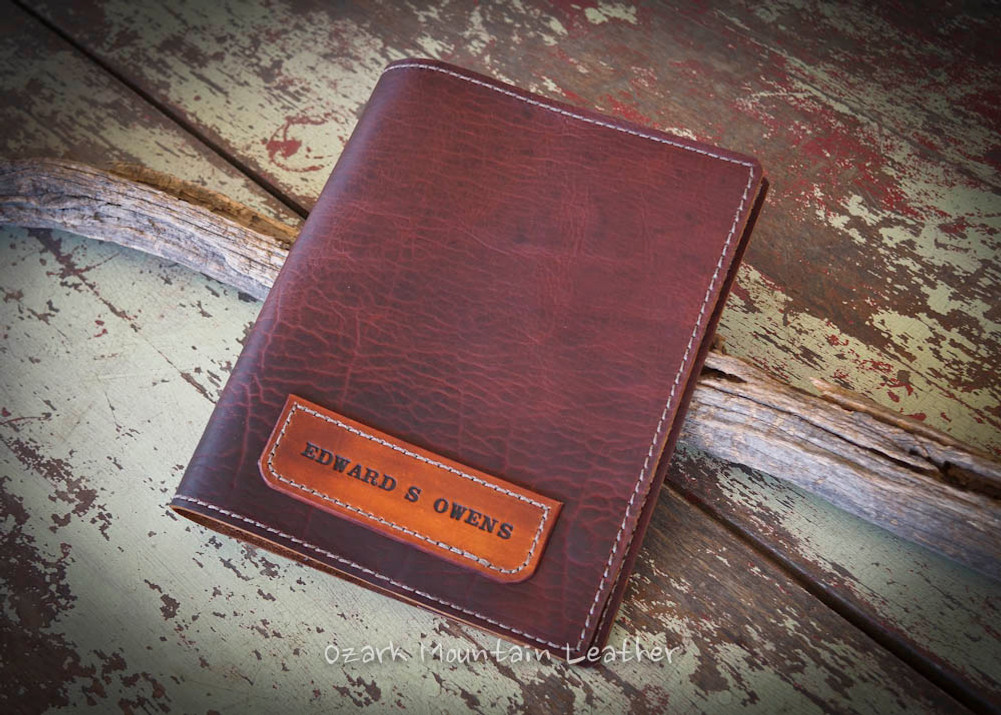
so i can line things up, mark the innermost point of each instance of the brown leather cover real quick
(510, 284)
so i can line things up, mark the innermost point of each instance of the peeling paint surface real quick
(938, 607)
(875, 264)
(116, 347)
(58, 105)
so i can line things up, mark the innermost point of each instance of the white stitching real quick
(607, 611)
(670, 399)
(359, 567)
(566, 113)
(698, 322)
(663, 416)
(350, 507)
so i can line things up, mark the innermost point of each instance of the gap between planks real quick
(915, 481)
(910, 479)
(165, 109)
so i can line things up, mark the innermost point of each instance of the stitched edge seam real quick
(663, 419)
(660, 425)
(296, 406)
(606, 612)
(370, 572)
(698, 322)
(567, 113)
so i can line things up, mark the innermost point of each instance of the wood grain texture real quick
(206, 231)
(934, 613)
(57, 104)
(895, 472)
(901, 475)
(869, 245)
(875, 263)
(187, 620)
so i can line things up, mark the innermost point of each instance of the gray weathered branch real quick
(151, 212)
(914, 481)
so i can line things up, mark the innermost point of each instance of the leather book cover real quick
(466, 382)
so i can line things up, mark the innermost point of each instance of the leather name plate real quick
(407, 493)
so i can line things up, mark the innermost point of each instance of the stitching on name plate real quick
(393, 525)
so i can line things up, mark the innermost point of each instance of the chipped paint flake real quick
(608, 11)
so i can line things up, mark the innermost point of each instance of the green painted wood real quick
(875, 262)
(112, 363)
(57, 104)
(109, 589)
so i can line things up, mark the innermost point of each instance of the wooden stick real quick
(913, 480)
(150, 212)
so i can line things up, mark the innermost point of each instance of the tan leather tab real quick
(405, 492)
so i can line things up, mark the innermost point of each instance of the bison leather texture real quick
(508, 283)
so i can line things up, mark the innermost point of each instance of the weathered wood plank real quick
(936, 614)
(131, 605)
(87, 183)
(875, 264)
(57, 104)
(900, 474)
(84, 620)
(923, 79)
